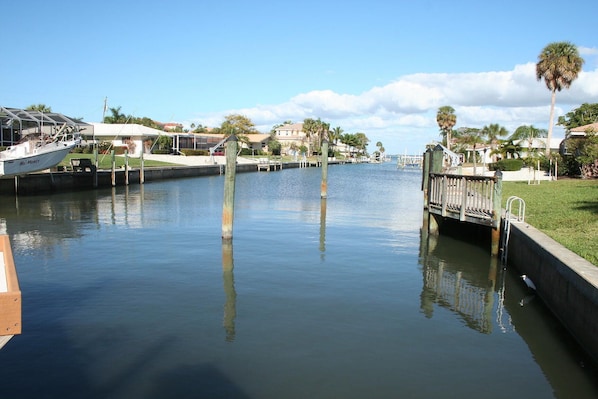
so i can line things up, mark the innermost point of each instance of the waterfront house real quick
(131, 136)
(291, 135)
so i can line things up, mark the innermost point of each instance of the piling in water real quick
(228, 205)
(113, 175)
(324, 185)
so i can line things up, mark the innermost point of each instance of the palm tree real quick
(471, 137)
(116, 116)
(335, 134)
(446, 120)
(492, 132)
(559, 63)
(39, 107)
(528, 133)
(316, 128)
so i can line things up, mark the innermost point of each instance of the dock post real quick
(113, 168)
(141, 172)
(496, 213)
(95, 171)
(426, 176)
(436, 164)
(126, 167)
(324, 185)
(228, 206)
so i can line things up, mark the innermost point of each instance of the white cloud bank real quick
(402, 114)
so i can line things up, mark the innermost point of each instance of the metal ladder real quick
(510, 217)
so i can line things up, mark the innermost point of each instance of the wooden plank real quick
(10, 301)
(3, 284)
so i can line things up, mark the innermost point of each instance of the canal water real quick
(130, 293)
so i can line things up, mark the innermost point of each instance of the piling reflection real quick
(41, 223)
(322, 227)
(466, 288)
(228, 278)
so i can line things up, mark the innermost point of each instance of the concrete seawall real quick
(39, 183)
(566, 283)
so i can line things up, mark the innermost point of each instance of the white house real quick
(291, 134)
(581, 130)
(128, 135)
(538, 144)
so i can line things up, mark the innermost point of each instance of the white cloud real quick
(405, 110)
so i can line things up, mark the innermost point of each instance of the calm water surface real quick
(129, 293)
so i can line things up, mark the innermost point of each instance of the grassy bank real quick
(105, 161)
(566, 210)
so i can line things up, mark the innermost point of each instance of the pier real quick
(410, 161)
(469, 199)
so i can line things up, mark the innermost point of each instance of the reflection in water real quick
(459, 289)
(322, 227)
(42, 223)
(228, 278)
(461, 284)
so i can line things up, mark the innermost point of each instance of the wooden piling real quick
(324, 185)
(126, 168)
(141, 171)
(113, 167)
(496, 213)
(437, 161)
(95, 171)
(228, 206)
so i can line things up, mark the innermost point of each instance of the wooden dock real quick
(274, 163)
(466, 198)
(10, 294)
(469, 199)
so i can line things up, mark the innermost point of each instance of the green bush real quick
(507, 165)
(249, 151)
(159, 151)
(190, 152)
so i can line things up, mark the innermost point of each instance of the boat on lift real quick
(37, 152)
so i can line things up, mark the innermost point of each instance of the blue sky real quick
(378, 67)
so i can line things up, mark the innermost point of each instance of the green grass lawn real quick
(566, 210)
(105, 161)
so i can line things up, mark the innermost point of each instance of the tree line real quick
(559, 64)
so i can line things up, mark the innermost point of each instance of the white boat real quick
(35, 153)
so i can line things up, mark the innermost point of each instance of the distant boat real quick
(37, 152)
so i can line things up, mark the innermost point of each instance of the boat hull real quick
(45, 158)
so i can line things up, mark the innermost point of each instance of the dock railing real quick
(466, 198)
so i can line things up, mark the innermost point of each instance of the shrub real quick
(507, 165)
(190, 152)
(159, 151)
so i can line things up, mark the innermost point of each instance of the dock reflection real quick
(486, 297)
(466, 287)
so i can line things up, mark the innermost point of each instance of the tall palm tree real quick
(559, 63)
(446, 120)
(335, 134)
